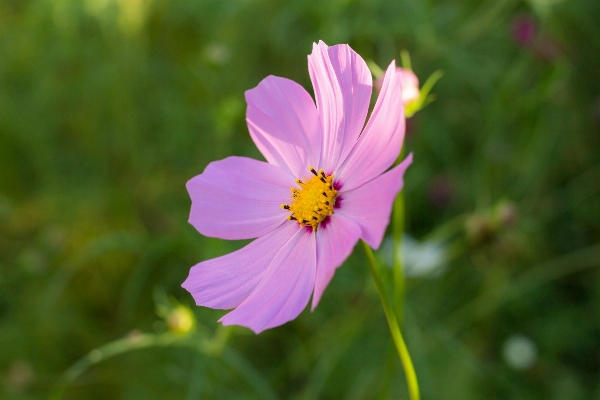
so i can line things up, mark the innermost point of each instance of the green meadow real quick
(108, 107)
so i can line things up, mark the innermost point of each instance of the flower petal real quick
(370, 205)
(381, 140)
(283, 122)
(238, 198)
(342, 83)
(335, 242)
(224, 282)
(285, 288)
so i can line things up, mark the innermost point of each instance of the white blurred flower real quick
(419, 258)
(520, 352)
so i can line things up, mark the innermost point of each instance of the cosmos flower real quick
(323, 187)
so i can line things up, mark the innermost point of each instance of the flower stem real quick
(397, 230)
(409, 369)
(399, 287)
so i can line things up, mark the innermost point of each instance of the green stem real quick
(397, 230)
(399, 288)
(110, 350)
(409, 369)
(205, 347)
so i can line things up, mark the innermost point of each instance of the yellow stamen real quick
(314, 201)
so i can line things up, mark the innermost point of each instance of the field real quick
(108, 108)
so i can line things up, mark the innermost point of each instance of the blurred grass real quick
(107, 108)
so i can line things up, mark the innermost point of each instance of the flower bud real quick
(181, 320)
(507, 214)
(409, 83)
(413, 97)
(480, 229)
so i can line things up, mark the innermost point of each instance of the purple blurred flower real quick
(526, 33)
(323, 187)
(524, 30)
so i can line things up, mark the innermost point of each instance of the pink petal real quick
(381, 141)
(285, 288)
(225, 282)
(342, 84)
(335, 242)
(284, 125)
(370, 205)
(239, 198)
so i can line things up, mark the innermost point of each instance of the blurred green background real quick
(107, 108)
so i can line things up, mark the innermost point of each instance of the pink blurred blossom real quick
(409, 83)
(270, 281)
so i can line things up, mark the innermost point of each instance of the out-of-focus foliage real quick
(107, 108)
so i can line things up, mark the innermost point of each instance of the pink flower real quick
(323, 187)
(409, 83)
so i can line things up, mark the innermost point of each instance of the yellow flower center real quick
(314, 201)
